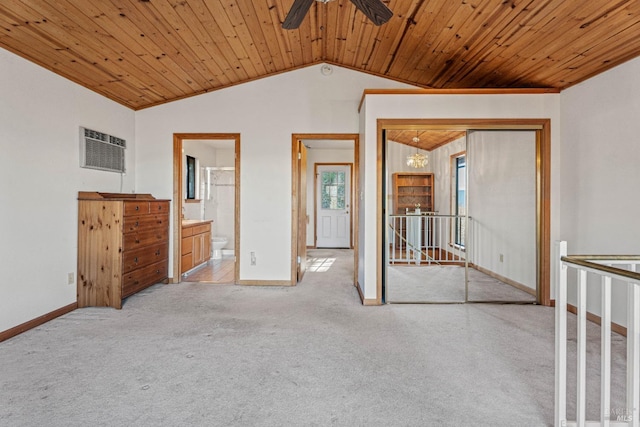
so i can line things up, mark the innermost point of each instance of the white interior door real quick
(333, 206)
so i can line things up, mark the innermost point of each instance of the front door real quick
(333, 202)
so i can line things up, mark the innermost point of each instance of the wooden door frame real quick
(542, 127)
(178, 144)
(315, 201)
(355, 203)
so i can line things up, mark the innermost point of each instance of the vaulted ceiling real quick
(142, 53)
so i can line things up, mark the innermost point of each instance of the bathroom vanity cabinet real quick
(196, 244)
(123, 246)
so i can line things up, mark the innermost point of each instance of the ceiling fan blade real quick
(296, 14)
(375, 10)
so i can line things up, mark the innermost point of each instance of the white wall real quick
(446, 107)
(501, 169)
(40, 116)
(322, 156)
(600, 170)
(265, 112)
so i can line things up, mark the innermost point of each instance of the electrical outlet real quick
(71, 279)
(253, 258)
(501, 258)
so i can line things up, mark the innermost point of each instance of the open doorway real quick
(337, 155)
(206, 208)
(440, 228)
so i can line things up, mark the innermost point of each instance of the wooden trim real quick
(543, 174)
(178, 143)
(543, 186)
(236, 213)
(177, 207)
(506, 280)
(355, 203)
(23, 327)
(456, 91)
(315, 200)
(355, 184)
(619, 329)
(294, 209)
(380, 228)
(363, 300)
(265, 283)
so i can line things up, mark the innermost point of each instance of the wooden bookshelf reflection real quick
(412, 190)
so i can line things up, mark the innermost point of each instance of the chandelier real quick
(417, 160)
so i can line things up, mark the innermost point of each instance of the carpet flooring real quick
(194, 354)
(410, 283)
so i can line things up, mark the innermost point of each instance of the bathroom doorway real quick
(206, 229)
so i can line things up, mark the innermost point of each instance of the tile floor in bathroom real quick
(214, 271)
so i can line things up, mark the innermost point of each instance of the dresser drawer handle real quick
(157, 271)
(135, 260)
(137, 241)
(137, 223)
(137, 208)
(158, 252)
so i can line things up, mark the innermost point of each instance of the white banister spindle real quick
(633, 353)
(581, 349)
(561, 337)
(605, 356)
(607, 267)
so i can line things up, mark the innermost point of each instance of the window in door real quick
(333, 190)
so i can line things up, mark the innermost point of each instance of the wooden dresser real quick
(196, 244)
(123, 246)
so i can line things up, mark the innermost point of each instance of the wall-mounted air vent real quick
(101, 151)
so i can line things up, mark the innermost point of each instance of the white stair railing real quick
(425, 238)
(625, 269)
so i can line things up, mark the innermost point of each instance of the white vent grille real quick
(101, 151)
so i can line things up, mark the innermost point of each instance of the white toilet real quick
(217, 243)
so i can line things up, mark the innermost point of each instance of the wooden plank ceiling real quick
(424, 139)
(142, 53)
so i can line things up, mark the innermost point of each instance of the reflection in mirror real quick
(191, 177)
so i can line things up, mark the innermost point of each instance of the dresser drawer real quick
(135, 223)
(144, 256)
(143, 277)
(139, 239)
(135, 207)
(159, 207)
